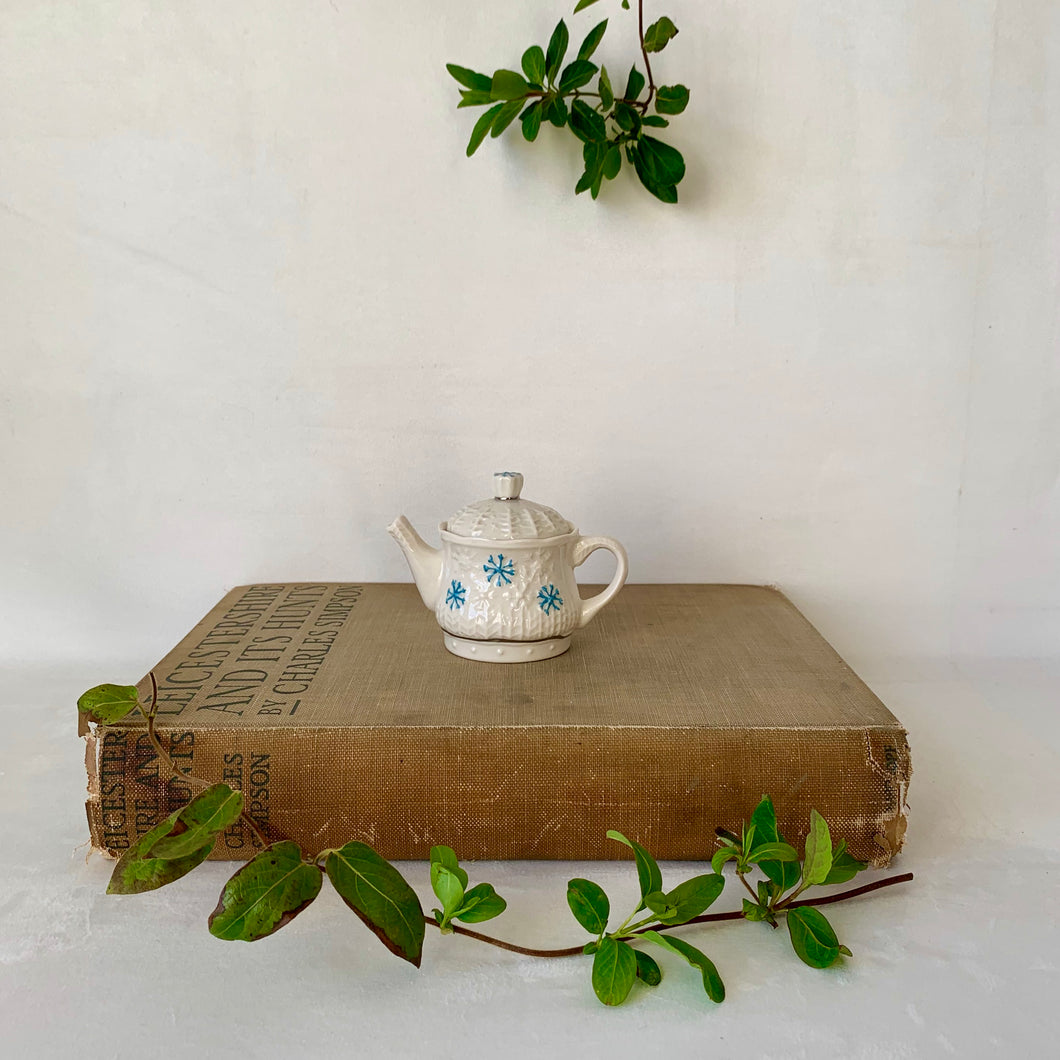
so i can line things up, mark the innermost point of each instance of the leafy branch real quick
(610, 128)
(281, 881)
(786, 877)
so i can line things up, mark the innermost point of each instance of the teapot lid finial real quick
(507, 485)
(506, 516)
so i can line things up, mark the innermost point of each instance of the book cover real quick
(339, 713)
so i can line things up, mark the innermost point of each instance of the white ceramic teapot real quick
(502, 585)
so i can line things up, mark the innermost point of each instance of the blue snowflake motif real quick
(500, 568)
(455, 597)
(548, 599)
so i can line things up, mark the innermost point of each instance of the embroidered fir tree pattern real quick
(548, 599)
(456, 595)
(500, 568)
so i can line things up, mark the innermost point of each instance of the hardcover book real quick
(339, 713)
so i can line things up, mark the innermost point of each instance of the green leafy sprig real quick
(448, 881)
(616, 964)
(186, 837)
(610, 126)
(786, 877)
(280, 881)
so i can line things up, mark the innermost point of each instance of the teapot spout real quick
(424, 562)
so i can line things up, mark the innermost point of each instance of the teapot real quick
(502, 585)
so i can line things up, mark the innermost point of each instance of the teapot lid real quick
(506, 516)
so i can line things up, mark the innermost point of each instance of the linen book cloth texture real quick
(340, 715)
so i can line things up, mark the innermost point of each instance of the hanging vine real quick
(610, 125)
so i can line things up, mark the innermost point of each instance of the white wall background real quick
(254, 301)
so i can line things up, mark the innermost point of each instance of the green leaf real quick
(671, 99)
(442, 855)
(557, 112)
(747, 840)
(844, 865)
(107, 704)
(720, 857)
(586, 124)
(557, 49)
(577, 74)
(199, 823)
(507, 84)
(844, 951)
(817, 862)
(625, 5)
(648, 871)
(531, 121)
(712, 983)
(754, 911)
(644, 165)
(614, 971)
(268, 892)
(136, 873)
(482, 127)
(695, 896)
(764, 818)
(468, 78)
(669, 167)
(607, 93)
(634, 84)
(812, 937)
(773, 852)
(659, 34)
(591, 947)
(592, 178)
(505, 116)
(612, 162)
(589, 904)
(447, 886)
(481, 903)
(534, 64)
(648, 970)
(627, 118)
(583, 4)
(654, 119)
(592, 40)
(664, 192)
(473, 97)
(381, 897)
(660, 905)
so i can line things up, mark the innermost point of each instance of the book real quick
(338, 712)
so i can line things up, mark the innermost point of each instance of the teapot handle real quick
(583, 548)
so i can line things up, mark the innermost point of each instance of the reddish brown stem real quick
(152, 735)
(747, 887)
(707, 918)
(644, 53)
(163, 754)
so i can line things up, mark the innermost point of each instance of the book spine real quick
(547, 792)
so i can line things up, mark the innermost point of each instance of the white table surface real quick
(963, 961)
